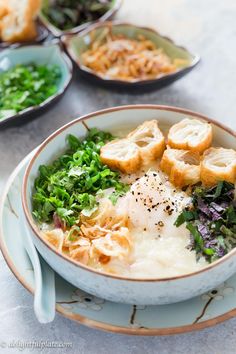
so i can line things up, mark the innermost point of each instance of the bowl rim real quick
(58, 93)
(32, 223)
(57, 32)
(67, 38)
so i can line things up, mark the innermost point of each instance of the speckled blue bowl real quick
(141, 291)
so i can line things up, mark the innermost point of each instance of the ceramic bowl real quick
(114, 287)
(200, 312)
(77, 44)
(57, 32)
(42, 34)
(47, 54)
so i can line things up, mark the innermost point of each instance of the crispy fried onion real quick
(96, 239)
(117, 56)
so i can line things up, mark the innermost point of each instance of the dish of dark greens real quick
(25, 86)
(66, 14)
(211, 220)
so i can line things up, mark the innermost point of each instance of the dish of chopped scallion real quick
(25, 86)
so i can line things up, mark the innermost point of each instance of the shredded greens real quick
(24, 86)
(72, 182)
(211, 220)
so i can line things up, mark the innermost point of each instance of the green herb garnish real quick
(25, 86)
(72, 182)
(211, 220)
(119, 192)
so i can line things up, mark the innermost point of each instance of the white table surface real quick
(207, 27)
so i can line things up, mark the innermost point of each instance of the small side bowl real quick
(77, 44)
(41, 36)
(47, 54)
(110, 286)
(57, 32)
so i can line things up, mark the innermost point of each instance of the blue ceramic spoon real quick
(44, 277)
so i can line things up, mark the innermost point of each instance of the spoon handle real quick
(44, 277)
(44, 298)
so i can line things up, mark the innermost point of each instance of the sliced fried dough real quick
(190, 134)
(121, 154)
(149, 139)
(11, 32)
(3, 10)
(218, 164)
(183, 167)
(18, 24)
